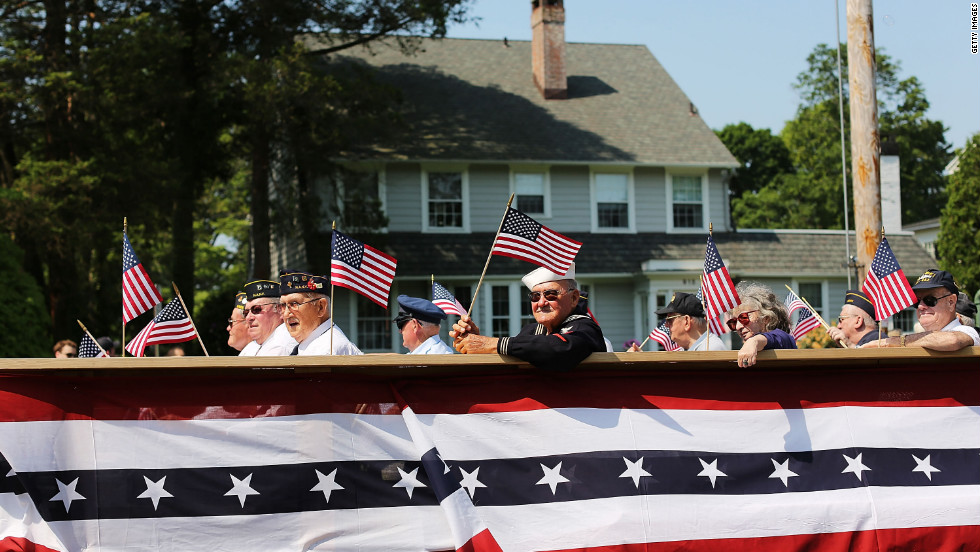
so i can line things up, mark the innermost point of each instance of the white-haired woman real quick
(761, 320)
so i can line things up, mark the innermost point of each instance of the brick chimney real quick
(548, 48)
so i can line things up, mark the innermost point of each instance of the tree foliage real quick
(958, 245)
(810, 195)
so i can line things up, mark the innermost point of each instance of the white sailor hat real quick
(542, 275)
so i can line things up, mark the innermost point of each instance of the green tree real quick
(761, 156)
(24, 329)
(958, 245)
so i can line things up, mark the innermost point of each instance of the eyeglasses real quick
(673, 316)
(845, 317)
(549, 295)
(232, 321)
(257, 309)
(930, 301)
(744, 318)
(293, 305)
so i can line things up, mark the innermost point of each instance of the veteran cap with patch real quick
(240, 299)
(298, 282)
(261, 288)
(857, 298)
(934, 278)
(683, 303)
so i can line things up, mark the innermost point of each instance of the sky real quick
(737, 60)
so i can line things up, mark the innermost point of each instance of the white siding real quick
(612, 305)
(489, 190)
(404, 199)
(570, 208)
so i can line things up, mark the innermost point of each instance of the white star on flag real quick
(782, 471)
(711, 471)
(327, 484)
(409, 481)
(924, 466)
(635, 471)
(155, 491)
(67, 493)
(241, 488)
(470, 481)
(855, 466)
(552, 477)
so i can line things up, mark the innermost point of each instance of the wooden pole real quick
(478, 284)
(865, 140)
(197, 333)
(84, 329)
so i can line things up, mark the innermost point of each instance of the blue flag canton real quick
(439, 292)
(346, 250)
(129, 256)
(519, 224)
(173, 311)
(88, 348)
(884, 262)
(712, 260)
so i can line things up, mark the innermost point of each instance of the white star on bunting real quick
(470, 481)
(782, 471)
(635, 471)
(711, 471)
(327, 484)
(67, 493)
(241, 488)
(155, 491)
(855, 466)
(552, 477)
(409, 481)
(924, 466)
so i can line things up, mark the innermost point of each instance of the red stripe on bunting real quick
(933, 539)
(18, 544)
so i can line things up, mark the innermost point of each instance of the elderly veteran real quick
(936, 292)
(237, 330)
(559, 339)
(419, 321)
(688, 325)
(856, 324)
(264, 321)
(761, 320)
(966, 310)
(306, 312)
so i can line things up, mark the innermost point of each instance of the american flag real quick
(668, 459)
(661, 334)
(445, 300)
(717, 324)
(886, 284)
(719, 291)
(361, 268)
(171, 325)
(793, 303)
(521, 237)
(806, 322)
(138, 292)
(88, 348)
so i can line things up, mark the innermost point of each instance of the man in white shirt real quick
(419, 321)
(264, 321)
(936, 309)
(306, 312)
(688, 325)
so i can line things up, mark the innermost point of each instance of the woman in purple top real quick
(761, 320)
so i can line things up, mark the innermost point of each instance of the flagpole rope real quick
(485, 266)
(189, 317)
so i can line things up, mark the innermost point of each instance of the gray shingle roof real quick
(475, 100)
(747, 254)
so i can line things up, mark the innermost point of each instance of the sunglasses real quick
(930, 301)
(549, 295)
(257, 309)
(742, 317)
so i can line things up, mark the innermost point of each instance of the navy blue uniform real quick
(578, 336)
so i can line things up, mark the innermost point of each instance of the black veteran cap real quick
(240, 299)
(683, 303)
(934, 278)
(965, 306)
(419, 309)
(298, 282)
(261, 288)
(858, 299)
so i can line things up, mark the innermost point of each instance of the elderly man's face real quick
(237, 330)
(849, 320)
(935, 318)
(680, 326)
(555, 302)
(302, 314)
(262, 317)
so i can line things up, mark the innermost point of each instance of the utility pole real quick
(865, 140)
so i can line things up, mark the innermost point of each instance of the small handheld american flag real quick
(521, 237)
(886, 284)
(446, 301)
(719, 290)
(361, 268)
(171, 325)
(138, 292)
(661, 334)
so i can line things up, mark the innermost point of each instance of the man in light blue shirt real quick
(418, 321)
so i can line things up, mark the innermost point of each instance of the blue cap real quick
(419, 309)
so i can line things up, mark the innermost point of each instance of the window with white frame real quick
(531, 189)
(612, 200)
(354, 198)
(373, 326)
(445, 199)
(813, 292)
(687, 201)
(500, 311)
